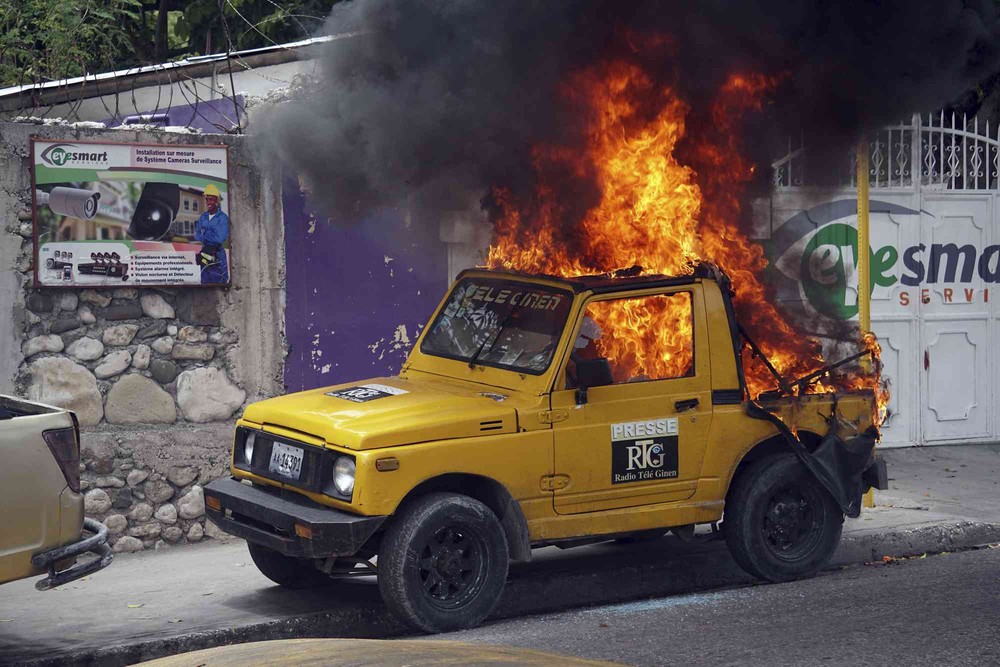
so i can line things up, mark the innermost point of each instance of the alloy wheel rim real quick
(452, 566)
(792, 522)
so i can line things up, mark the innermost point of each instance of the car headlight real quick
(343, 475)
(248, 447)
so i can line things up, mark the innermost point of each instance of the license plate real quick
(286, 460)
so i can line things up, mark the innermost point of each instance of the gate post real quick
(864, 269)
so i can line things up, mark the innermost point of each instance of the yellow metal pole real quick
(864, 264)
(864, 271)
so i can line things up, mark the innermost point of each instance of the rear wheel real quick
(443, 563)
(297, 573)
(780, 523)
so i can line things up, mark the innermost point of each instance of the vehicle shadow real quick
(608, 572)
(555, 579)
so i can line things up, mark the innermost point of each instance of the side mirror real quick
(592, 373)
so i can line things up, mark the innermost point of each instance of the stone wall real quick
(155, 376)
(145, 483)
(129, 356)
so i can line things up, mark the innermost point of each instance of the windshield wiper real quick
(493, 335)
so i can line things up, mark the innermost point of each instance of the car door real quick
(642, 439)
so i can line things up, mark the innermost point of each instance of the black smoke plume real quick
(434, 102)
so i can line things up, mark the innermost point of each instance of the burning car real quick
(540, 410)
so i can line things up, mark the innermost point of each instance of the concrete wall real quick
(170, 366)
(16, 233)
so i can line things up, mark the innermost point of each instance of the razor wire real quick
(171, 87)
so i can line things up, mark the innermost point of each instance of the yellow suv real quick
(534, 411)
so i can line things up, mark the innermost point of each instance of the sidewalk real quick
(961, 481)
(153, 604)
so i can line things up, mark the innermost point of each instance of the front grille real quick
(317, 463)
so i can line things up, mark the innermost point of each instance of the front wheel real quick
(442, 563)
(780, 522)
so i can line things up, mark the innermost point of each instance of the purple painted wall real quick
(210, 116)
(357, 295)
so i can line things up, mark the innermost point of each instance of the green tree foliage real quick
(44, 40)
(251, 23)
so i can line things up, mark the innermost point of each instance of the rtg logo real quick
(824, 261)
(61, 155)
(644, 450)
(644, 454)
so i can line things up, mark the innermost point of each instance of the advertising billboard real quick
(121, 214)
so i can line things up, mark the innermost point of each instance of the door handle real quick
(927, 360)
(685, 404)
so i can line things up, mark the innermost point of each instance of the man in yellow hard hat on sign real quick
(212, 230)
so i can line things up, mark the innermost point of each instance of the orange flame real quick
(656, 213)
(643, 319)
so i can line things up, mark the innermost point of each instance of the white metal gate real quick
(934, 185)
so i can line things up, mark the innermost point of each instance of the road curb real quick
(375, 624)
(867, 546)
(535, 588)
(409, 652)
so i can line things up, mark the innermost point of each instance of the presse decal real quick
(366, 392)
(818, 250)
(644, 450)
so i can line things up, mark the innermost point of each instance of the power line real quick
(232, 83)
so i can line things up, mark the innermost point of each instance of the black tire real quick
(780, 523)
(295, 573)
(442, 563)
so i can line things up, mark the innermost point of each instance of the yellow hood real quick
(388, 411)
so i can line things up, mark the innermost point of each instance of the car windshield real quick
(512, 325)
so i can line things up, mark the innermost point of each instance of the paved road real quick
(939, 610)
(159, 603)
(154, 604)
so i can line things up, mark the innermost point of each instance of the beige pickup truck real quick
(44, 530)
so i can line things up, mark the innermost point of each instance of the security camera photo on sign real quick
(117, 214)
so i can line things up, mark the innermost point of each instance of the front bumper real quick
(96, 544)
(266, 518)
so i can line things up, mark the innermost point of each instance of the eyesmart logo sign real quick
(62, 155)
(828, 270)
(818, 250)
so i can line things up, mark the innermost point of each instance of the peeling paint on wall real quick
(397, 348)
(399, 338)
